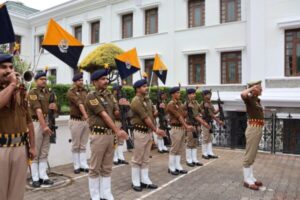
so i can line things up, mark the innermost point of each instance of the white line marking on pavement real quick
(79, 177)
(172, 181)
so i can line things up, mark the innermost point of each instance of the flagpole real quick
(151, 79)
(34, 67)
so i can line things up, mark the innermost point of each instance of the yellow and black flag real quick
(7, 34)
(127, 63)
(62, 44)
(160, 69)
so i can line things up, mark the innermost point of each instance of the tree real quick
(101, 56)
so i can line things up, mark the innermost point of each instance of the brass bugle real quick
(28, 75)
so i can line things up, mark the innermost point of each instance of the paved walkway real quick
(219, 179)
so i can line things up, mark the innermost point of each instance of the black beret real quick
(77, 77)
(205, 92)
(191, 90)
(140, 83)
(98, 74)
(116, 87)
(39, 75)
(5, 58)
(174, 89)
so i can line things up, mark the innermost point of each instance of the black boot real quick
(149, 186)
(173, 172)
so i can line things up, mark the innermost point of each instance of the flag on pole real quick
(160, 69)
(62, 44)
(7, 34)
(127, 63)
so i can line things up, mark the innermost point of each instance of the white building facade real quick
(217, 44)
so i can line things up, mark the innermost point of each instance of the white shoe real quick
(106, 181)
(145, 176)
(120, 152)
(136, 176)
(34, 171)
(177, 163)
(43, 170)
(116, 156)
(247, 176)
(204, 150)
(194, 156)
(172, 163)
(188, 155)
(83, 161)
(94, 187)
(159, 145)
(76, 161)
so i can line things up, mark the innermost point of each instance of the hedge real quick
(62, 89)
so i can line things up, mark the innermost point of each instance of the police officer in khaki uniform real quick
(253, 132)
(208, 112)
(119, 155)
(102, 109)
(162, 121)
(192, 137)
(177, 132)
(143, 121)
(15, 127)
(39, 107)
(78, 125)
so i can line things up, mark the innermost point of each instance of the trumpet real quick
(26, 77)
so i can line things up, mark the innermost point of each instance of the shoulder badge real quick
(33, 97)
(94, 102)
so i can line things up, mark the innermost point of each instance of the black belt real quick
(76, 118)
(141, 128)
(99, 130)
(13, 140)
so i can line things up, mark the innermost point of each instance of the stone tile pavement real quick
(219, 179)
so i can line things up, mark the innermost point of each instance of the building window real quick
(230, 10)
(95, 29)
(151, 21)
(78, 32)
(196, 69)
(127, 25)
(231, 63)
(148, 69)
(196, 10)
(40, 39)
(292, 52)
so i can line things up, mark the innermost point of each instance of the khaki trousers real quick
(13, 169)
(177, 138)
(142, 148)
(206, 136)
(191, 141)
(80, 135)
(102, 153)
(253, 136)
(42, 143)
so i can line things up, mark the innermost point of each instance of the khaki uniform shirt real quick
(141, 108)
(76, 96)
(175, 110)
(210, 106)
(253, 107)
(15, 116)
(196, 109)
(97, 102)
(39, 98)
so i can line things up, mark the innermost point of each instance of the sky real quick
(40, 4)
